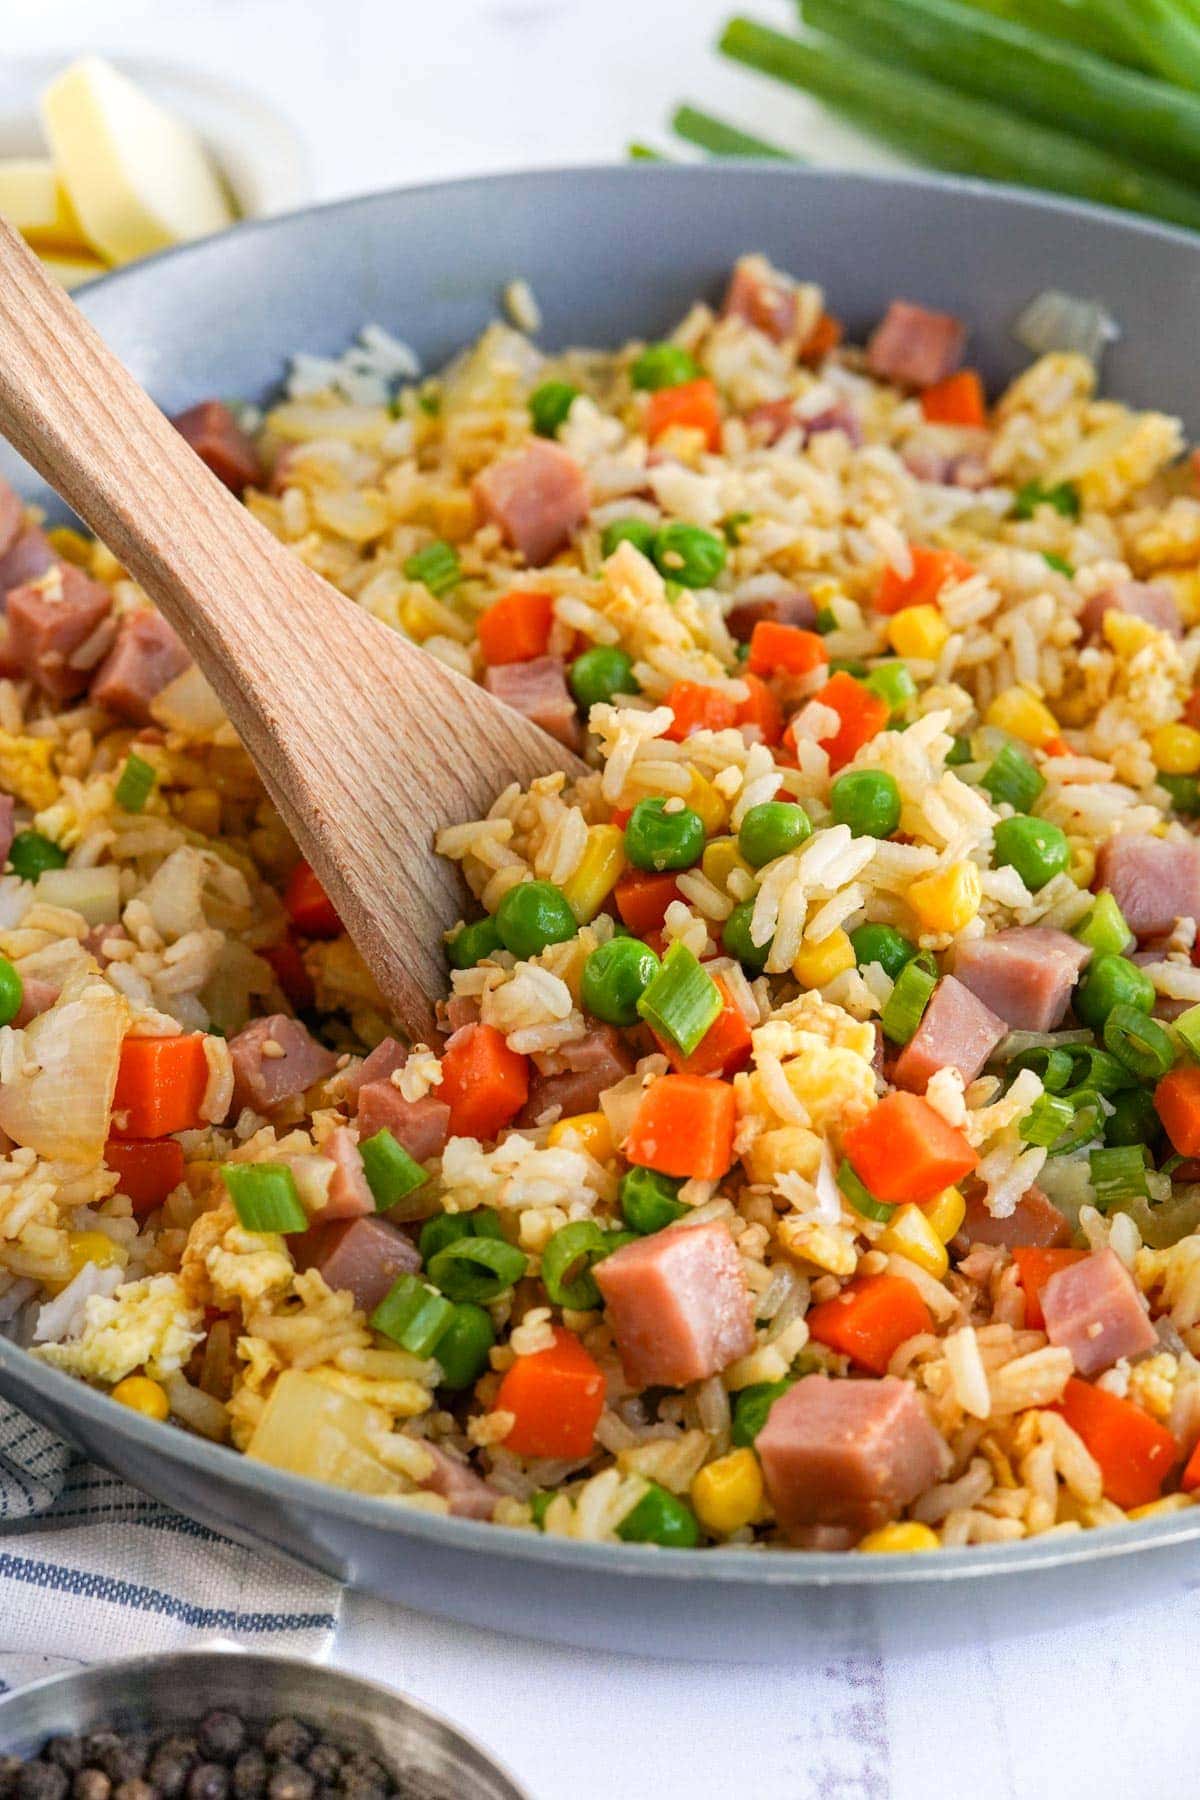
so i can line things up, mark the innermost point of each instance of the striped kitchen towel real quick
(90, 1568)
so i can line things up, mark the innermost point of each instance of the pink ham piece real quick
(768, 421)
(539, 690)
(261, 1076)
(420, 1126)
(536, 497)
(1033, 1221)
(460, 1010)
(847, 1453)
(7, 826)
(386, 1057)
(28, 556)
(914, 346)
(678, 1305)
(349, 1197)
(573, 1078)
(1149, 600)
(957, 1031)
(11, 514)
(362, 1257)
(1025, 975)
(218, 440)
(146, 656)
(762, 297)
(53, 620)
(796, 608)
(469, 1495)
(1093, 1309)
(1153, 880)
(36, 997)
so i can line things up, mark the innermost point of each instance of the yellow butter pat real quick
(34, 200)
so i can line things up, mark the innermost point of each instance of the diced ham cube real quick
(37, 996)
(54, 633)
(460, 1010)
(362, 1257)
(573, 1078)
(420, 1126)
(146, 656)
(382, 1061)
(678, 1305)
(29, 555)
(218, 440)
(538, 689)
(7, 826)
(838, 1452)
(768, 421)
(957, 1031)
(1025, 975)
(1153, 880)
(1093, 1309)
(914, 346)
(469, 1495)
(1034, 1221)
(763, 297)
(349, 1196)
(274, 1059)
(796, 608)
(1149, 600)
(11, 514)
(537, 497)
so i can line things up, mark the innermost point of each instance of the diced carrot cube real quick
(161, 1082)
(684, 1126)
(516, 628)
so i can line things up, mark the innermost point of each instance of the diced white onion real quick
(94, 893)
(1058, 321)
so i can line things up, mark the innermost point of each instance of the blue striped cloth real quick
(91, 1568)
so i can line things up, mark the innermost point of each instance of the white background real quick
(407, 90)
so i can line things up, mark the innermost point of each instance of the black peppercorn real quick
(290, 1782)
(10, 1768)
(250, 1774)
(134, 1789)
(66, 1751)
(208, 1781)
(221, 1735)
(288, 1737)
(171, 1765)
(91, 1784)
(324, 1761)
(42, 1781)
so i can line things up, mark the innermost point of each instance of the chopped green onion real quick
(720, 139)
(567, 1264)
(731, 527)
(1184, 791)
(958, 753)
(1054, 1066)
(136, 783)
(462, 1349)
(1059, 564)
(1087, 1121)
(1187, 1026)
(1139, 1043)
(1118, 1174)
(1062, 497)
(1133, 1119)
(860, 1196)
(265, 1197)
(750, 1408)
(437, 565)
(681, 1000)
(413, 1315)
(1012, 778)
(907, 1002)
(390, 1171)
(478, 1269)
(1046, 1120)
(893, 683)
(31, 854)
(825, 621)
(447, 1228)
(539, 1503)
(1104, 929)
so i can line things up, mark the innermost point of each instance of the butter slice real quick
(71, 271)
(139, 178)
(34, 200)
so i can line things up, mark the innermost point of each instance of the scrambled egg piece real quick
(146, 1324)
(225, 1265)
(824, 1057)
(25, 770)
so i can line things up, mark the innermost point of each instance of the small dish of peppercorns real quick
(220, 1725)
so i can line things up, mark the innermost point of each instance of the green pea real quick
(475, 941)
(638, 532)
(1184, 791)
(31, 854)
(659, 1518)
(688, 554)
(737, 942)
(1110, 981)
(615, 976)
(884, 945)
(868, 801)
(600, 673)
(771, 829)
(12, 990)
(549, 405)
(893, 683)
(656, 839)
(1035, 848)
(648, 1200)
(1133, 1119)
(663, 366)
(532, 915)
(1062, 497)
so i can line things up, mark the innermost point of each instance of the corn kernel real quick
(721, 857)
(919, 632)
(904, 1535)
(1176, 749)
(949, 899)
(200, 810)
(727, 1494)
(593, 881)
(946, 1214)
(1022, 715)
(142, 1395)
(588, 1131)
(815, 964)
(1159, 1509)
(1083, 863)
(72, 546)
(1185, 585)
(910, 1234)
(703, 798)
(85, 1247)
(105, 566)
(1126, 634)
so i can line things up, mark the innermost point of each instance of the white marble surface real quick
(401, 90)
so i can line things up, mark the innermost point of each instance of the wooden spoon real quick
(366, 744)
